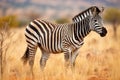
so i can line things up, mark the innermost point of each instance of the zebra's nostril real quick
(104, 32)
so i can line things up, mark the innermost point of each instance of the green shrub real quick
(10, 21)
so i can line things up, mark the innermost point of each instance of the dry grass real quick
(98, 60)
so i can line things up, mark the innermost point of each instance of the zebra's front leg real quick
(44, 59)
(68, 58)
(74, 56)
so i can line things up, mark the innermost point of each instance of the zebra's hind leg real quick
(25, 57)
(44, 59)
(32, 51)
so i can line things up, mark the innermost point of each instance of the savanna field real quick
(99, 59)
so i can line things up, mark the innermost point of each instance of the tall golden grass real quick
(98, 60)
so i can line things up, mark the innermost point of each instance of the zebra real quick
(61, 38)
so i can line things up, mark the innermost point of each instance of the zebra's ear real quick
(95, 11)
(101, 9)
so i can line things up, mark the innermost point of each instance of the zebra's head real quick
(96, 22)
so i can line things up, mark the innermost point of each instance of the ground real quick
(98, 60)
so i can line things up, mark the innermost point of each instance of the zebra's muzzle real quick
(104, 32)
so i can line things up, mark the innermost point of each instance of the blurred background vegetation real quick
(16, 14)
(110, 16)
(10, 20)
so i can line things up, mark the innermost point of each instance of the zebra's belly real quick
(49, 50)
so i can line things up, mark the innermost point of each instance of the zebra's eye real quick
(95, 20)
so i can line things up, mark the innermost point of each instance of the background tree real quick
(112, 15)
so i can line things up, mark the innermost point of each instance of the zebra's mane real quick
(85, 13)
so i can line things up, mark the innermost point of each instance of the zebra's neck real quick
(81, 29)
(82, 16)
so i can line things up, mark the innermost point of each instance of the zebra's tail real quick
(25, 57)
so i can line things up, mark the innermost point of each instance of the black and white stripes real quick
(85, 13)
(51, 38)
(81, 16)
(57, 38)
